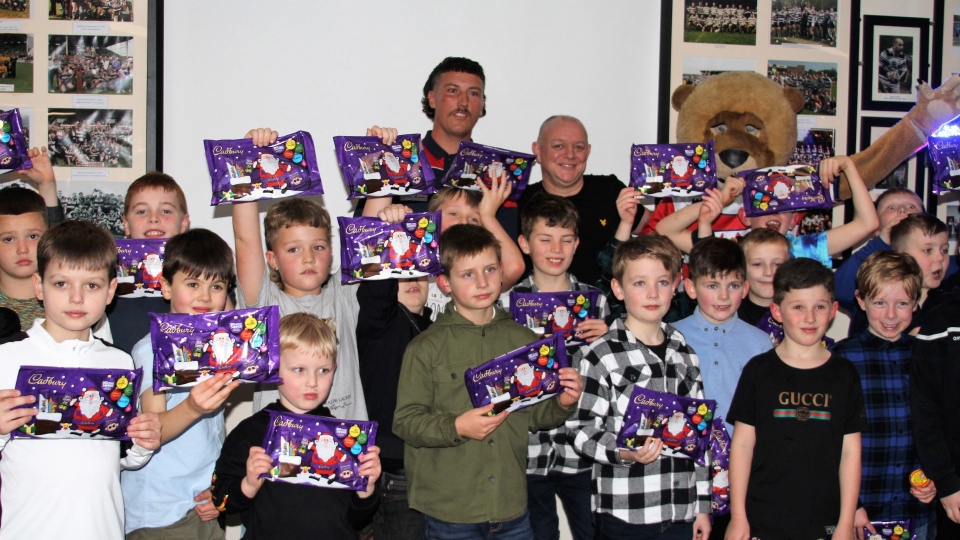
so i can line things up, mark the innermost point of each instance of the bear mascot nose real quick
(733, 157)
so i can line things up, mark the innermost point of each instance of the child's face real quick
(550, 249)
(74, 299)
(896, 207)
(932, 254)
(647, 288)
(456, 211)
(19, 236)
(889, 312)
(805, 314)
(719, 297)
(194, 295)
(783, 222)
(307, 379)
(473, 282)
(302, 255)
(413, 293)
(155, 213)
(762, 263)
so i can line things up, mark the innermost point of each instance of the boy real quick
(466, 469)
(308, 361)
(888, 289)
(924, 237)
(75, 280)
(797, 415)
(549, 235)
(197, 272)
(819, 246)
(639, 494)
(154, 207)
(764, 250)
(24, 215)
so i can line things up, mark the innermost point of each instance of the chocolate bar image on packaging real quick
(188, 349)
(791, 188)
(372, 249)
(477, 163)
(373, 169)
(139, 267)
(79, 403)
(670, 170)
(549, 313)
(317, 451)
(683, 424)
(240, 171)
(519, 378)
(13, 145)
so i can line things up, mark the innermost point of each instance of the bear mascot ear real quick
(794, 98)
(681, 94)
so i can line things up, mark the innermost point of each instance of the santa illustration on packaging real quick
(676, 430)
(401, 251)
(327, 457)
(151, 268)
(562, 321)
(272, 171)
(90, 411)
(527, 381)
(223, 350)
(396, 170)
(680, 172)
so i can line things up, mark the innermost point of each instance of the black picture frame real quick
(914, 163)
(878, 32)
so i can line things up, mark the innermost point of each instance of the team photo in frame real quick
(895, 57)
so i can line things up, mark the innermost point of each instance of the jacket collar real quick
(40, 334)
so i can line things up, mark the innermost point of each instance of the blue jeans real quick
(395, 520)
(515, 529)
(574, 490)
(609, 527)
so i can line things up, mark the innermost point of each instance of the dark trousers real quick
(946, 529)
(719, 528)
(611, 528)
(515, 529)
(574, 491)
(395, 520)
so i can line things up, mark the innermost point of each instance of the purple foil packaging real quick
(188, 349)
(890, 530)
(945, 156)
(79, 403)
(670, 170)
(242, 172)
(373, 169)
(549, 313)
(317, 451)
(792, 188)
(139, 267)
(519, 378)
(372, 249)
(13, 145)
(476, 163)
(720, 467)
(683, 424)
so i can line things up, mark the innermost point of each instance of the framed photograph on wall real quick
(895, 56)
(906, 175)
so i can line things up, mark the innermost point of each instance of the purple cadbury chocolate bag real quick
(139, 267)
(372, 249)
(669, 170)
(682, 423)
(373, 169)
(480, 163)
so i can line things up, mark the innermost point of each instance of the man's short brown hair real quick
(17, 200)
(77, 244)
(155, 180)
(553, 210)
(449, 193)
(649, 246)
(292, 212)
(762, 236)
(461, 241)
(928, 224)
(885, 267)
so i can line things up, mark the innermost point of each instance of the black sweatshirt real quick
(280, 509)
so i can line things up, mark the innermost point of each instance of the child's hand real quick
(572, 385)
(258, 463)
(370, 467)
(628, 202)
(474, 425)
(590, 329)
(951, 504)
(732, 188)
(861, 520)
(11, 417)
(831, 168)
(924, 494)
(262, 136)
(701, 527)
(388, 135)
(495, 195)
(144, 429)
(42, 170)
(648, 453)
(711, 207)
(206, 511)
(738, 529)
(394, 213)
(207, 396)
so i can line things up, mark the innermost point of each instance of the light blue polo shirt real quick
(723, 350)
(162, 492)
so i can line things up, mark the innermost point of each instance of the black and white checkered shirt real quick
(552, 450)
(667, 490)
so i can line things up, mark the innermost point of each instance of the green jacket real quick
(450, 477)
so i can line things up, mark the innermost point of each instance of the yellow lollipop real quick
(122, 383)
(544, 350)
(580, 300)
(702, 409)
(250, 323)
(291, 144)
(407, 144)
(354, 430)
(423, 223)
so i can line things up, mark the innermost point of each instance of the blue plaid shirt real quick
(889, 453)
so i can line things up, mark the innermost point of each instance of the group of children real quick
(821, 440)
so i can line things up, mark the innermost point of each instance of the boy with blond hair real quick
(639, 493)
(466, 469)
(888, 290)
